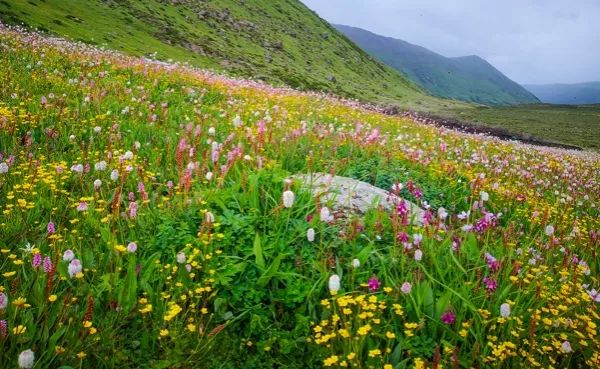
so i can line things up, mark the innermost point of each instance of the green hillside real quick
(467, 78)
(282, 42)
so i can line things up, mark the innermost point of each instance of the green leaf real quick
(258, 251)
(271, 271)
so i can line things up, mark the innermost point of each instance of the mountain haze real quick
(467, 78)
(572, 94)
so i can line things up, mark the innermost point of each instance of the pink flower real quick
(51, 228)
(406, 288)
(47, 264)
(37, 260)
(83, 206)
(490, 284)
(449, 317)
(374, 284)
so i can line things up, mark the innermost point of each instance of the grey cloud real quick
(531, 41)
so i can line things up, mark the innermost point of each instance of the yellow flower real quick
(21, 302)
(20, 329)
(364, 330)
(52, 298)
(87, 324)
(164, 332)
(374, 353)
(390, 335)
(191, 327)
(330, 361)
(388, 366)
(81, 355)
(9, 274)
(351, 356)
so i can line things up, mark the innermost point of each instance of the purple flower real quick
(492, 262)
(133, 207)
(37, 260)
(3, 328)
(490, 284)
(374, 284)
(47, 264)
(51, 228)
(83, 206)
(449, 317)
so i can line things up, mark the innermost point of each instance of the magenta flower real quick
(51, 228)
(374, 284)
(490, 284)
(449, 317)
(47, 264)
(37, 260)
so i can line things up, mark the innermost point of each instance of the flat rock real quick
(353, 195)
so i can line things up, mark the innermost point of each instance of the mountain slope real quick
(467, 78)
(282, 42)
(572, 94)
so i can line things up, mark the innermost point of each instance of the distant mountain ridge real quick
(467, 78)
(571, 94)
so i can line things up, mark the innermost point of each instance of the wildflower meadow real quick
(150, 218)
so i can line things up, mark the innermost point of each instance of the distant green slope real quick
(575, 93)
(282, 42)
(467, 78)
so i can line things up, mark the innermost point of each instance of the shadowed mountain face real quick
(467, 78)
(572, 94)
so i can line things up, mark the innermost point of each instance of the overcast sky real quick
(531, 41)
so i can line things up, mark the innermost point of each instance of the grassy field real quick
(567, 124)
(280, 42)
(149, 219)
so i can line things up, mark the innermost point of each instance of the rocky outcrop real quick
(356, 196)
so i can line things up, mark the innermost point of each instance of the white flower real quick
(3, 168)
(595, 295)
(74, 267)
(325, 215)
(72, 138)
(77, 168)
(310, 235)
(26, 359)
(128, 155)
(132, 247)
(3, 301)
(181, 257)
(442, 213)
(417, 238)
(114, 175)
(237, 121)
(549, 230)
(68, 255)
(97, 184)
(137, 145)
(211, 131)
(28, 248)
(566, 347)
(418, 255)
(464, 215)
(288, 198)
(505, 310)
(397, 187)
(209, 217)
(97, 129)
(406, 288)
(355, 263)
(334, 284)
(209, 176)
(484, 196)
(100, 166)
